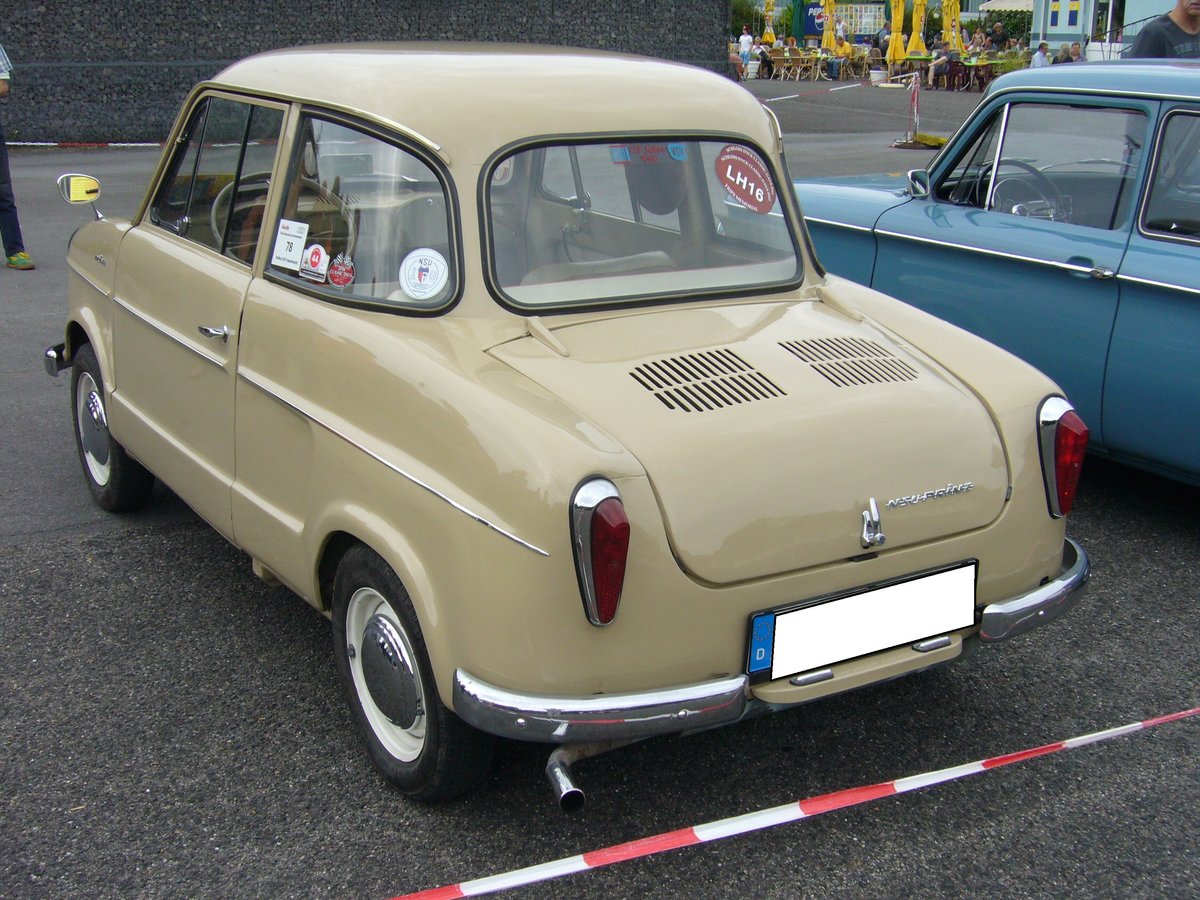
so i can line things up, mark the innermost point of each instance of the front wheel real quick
(418, 744)
(118, 482)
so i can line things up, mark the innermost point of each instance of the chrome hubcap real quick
(388, 673)
(386, 676)
(93, 428)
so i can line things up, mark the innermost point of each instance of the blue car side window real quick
(1074, 164)
(1173, 203)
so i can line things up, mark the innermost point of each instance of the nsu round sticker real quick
(423, 273)
(745, 178)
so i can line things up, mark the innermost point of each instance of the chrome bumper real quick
(1041, 605)
(562, 720)
(623, 717)
(55, 359)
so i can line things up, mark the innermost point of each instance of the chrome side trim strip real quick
(1066, 267)
(561, 720)
(78, 270)
(833, 224)
(388, 464)
(1159, 284)
(1041, 605)
(157, 326)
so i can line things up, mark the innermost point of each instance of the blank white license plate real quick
(797, 640)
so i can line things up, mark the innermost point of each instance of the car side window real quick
(223, 163)
(1173, 202)
(1075, 164)
(364, 220)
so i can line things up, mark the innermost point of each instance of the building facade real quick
(117, 70)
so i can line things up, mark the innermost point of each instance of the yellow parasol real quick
(952, 17)
(896, 52)
(916, 43)
(827, 41)
(768, 35)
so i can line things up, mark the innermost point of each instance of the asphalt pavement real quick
(173, 727)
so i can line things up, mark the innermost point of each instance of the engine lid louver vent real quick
(704, 381)
(846, 362)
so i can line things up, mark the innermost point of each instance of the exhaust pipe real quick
(558, 769)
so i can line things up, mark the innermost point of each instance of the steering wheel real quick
(337, 205)
(218, 213)
(1042, 186)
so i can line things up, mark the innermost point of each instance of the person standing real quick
(745, 42)
(10, 228)
(1175, 35)
(1040, 58)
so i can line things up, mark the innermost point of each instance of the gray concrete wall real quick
(117, 71)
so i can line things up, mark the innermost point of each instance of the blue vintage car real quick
(1062, 222)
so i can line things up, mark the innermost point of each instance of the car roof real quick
(471, 99)
(1143, 77)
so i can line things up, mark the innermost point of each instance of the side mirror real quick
(918, 183)
(80, 189)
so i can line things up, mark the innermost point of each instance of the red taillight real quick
(600, 539)
(610, 549)
(1070, 443)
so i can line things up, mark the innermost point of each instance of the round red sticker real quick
(746, 178)
(341, 270)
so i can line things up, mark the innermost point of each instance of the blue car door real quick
(1152, 393)
(1023, 232)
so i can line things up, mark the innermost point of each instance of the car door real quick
(182, 274)
(1152, 392)
(1023, 232)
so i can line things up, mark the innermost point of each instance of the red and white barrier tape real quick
(81, 145)
(767, 818)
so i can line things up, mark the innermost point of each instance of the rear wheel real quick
(118, 482)
(418, 744)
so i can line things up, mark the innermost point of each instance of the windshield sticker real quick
(423, 273)
(621, 154)
(289, 244)
(341, 271)
(314, 264)
(503, 173)
(746, 178)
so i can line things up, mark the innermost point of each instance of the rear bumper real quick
(1041, 605)
(621, 717)
(562, 720)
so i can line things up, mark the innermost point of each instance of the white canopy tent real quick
(1006, 5)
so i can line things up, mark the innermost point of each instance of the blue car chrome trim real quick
(1094, 271)
(1041, 605)
(390, 465)
(839, 224)
(1159, 284)
(561, 720)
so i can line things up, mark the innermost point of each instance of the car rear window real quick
(635, 220)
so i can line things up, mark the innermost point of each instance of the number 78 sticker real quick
(289, 244)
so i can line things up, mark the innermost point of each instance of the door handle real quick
(221, 332)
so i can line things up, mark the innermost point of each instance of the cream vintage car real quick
(517, 364)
